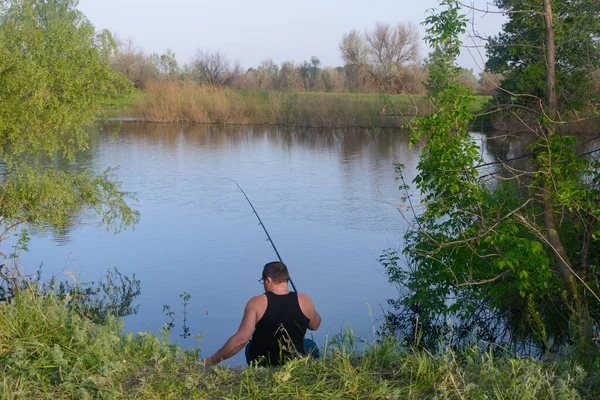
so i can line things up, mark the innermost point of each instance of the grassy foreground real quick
(48, 351)
(190, 102)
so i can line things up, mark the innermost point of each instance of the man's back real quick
(279, 334)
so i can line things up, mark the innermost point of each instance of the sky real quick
(252, 31)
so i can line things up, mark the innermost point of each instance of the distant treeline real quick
(378, 62)
(384, 59)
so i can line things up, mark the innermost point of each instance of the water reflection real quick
(348, 143)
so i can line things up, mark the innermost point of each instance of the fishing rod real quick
(264, 228)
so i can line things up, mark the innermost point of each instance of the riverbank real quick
(49, 351)
(189, 102)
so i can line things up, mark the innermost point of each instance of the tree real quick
(167, 65)
(596, 81)
(309, 73)
(466, 78)
(489, 82)
(287, 76)
(332, 78)
(261, 77)
(391, 49)
(55, 78)
(383, 52)
(214, 68)
(132, 62)
(512, 255)
(355, 54)
(271, 70)
(518, 52)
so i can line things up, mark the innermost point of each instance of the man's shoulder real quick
(257, 300)
(304, 298)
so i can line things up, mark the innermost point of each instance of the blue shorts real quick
(309, 346)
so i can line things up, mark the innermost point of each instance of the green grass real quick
(123, 106)
(48, 351)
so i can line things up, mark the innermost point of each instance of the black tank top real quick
(279, 334)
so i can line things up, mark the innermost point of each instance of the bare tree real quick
(392, 48)
(131, 61)
(390, 45)
(413, 77)
(213, 68)
(383, 53)
(355, 54)
(354, 48)
(489, 82)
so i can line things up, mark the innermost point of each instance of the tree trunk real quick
(550, 64)
(576, 292)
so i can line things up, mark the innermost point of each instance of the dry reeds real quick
(190, 102)
(171, 101)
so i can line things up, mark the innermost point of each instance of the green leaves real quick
(56, 77)
(518, 51)
(481, 253)
(54, 80)
(53, 198)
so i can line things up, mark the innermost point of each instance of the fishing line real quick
(264, 228)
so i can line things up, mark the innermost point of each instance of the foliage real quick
(97, 301)
(485, 251)
(48, 351)
(518, 51)
(309, 73)
(167, 64)
(55, 78)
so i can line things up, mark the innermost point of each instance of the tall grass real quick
(171, 101)
(49, 351)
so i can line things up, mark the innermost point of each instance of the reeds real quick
(190, 102)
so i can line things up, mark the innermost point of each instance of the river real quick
(327, 197)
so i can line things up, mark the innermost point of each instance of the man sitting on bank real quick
(276, 321)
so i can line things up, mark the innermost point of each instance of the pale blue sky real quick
(251, 31)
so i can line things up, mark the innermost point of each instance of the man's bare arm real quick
(308, 308)
(239, 339)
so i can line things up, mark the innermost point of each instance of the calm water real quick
(326, 197)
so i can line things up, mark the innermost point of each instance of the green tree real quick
(512, 255)
(518, 52)
(309, 73)
(55, 79)
(168, 65)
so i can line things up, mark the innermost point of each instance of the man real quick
(276, 321)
